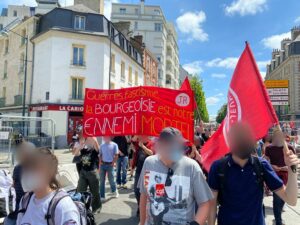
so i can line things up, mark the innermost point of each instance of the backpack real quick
(82, 203)
(222, 173)
(7, 194)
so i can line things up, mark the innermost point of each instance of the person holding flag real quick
(237, 179)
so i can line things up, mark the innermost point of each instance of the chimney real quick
(295, 32)
(142, 6)
(101, 7)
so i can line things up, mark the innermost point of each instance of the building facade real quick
(159, 36)
(183, 74)
(150, 62)
(12, 66)
(285, 65)
(73, 50)
(96, 5)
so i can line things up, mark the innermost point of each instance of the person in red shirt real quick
(143, 147)
(274, 153)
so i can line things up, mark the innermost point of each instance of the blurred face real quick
(241, 141)
(170, 150)
(37, 173)
(143, 138)
(278, 139)
(106, 139)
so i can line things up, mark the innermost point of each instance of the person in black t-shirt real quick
(122, 162)
(88, 151)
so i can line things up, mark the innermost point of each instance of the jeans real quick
(136, 188)
(278, 204)
(109, 170)
(90, 179)
(122, 170)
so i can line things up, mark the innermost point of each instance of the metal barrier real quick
(13, 129)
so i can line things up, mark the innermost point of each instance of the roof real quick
(80, 8)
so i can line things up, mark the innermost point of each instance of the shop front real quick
(67, 117)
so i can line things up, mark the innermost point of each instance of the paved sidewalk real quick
(122, 211)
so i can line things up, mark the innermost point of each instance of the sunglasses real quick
(169, 176)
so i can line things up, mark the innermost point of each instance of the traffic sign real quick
(277, 83)
(280, 103)
(278, 91)
(279, 98)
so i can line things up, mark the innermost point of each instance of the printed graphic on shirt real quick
(167, 203)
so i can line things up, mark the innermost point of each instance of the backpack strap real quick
(222, 171)
(259, 171)
(58, 196)
(25, 202)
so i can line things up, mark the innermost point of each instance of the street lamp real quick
(5, 32)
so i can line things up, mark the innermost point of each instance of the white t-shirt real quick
(66, 212)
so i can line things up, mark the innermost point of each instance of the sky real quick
(212, 35)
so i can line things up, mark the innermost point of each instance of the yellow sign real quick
(277, 83)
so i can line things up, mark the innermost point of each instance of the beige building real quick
(158, 34)
(96, 5)
(12, 65)
(285, 65)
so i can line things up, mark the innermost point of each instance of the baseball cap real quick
(170, 134)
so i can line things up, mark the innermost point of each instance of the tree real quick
(221, 113)
(197, 87)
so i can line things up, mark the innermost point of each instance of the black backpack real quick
(222, 173)
(82, 204)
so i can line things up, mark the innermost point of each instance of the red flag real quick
(248, 101)
(186, 84)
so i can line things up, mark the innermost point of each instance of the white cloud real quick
(213, 100)
(246, 7)
(193, 67)
(274, 41)
(228, 63)
(190, 23)
(297, 20)
(218, 75)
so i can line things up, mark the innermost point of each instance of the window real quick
(47, 95)
(23, 38)
(79, 22)
(122, 71)
(156, 12)
(136, 78)
(136, 10)
(158, 58)
(1, 26)
(78, 55)
(20, 91)
(4, 92)
(5, 69)
(158, 27)
(122, 42)
(22, 63)
(298, 66)
(77, 88)
(113, 63)
(130, 75)
(6, 44)
(123, 10)
(135, 25)
(15, 13)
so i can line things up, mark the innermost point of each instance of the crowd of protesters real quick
(170, 185)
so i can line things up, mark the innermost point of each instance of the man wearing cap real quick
(181, 186)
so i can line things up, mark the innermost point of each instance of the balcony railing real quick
(78, 63)
(76, 97)
(18, 99)
(2, 102)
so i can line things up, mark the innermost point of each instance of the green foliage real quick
(222, 113)
(197, 87)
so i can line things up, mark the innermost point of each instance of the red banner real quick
(138, 110)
